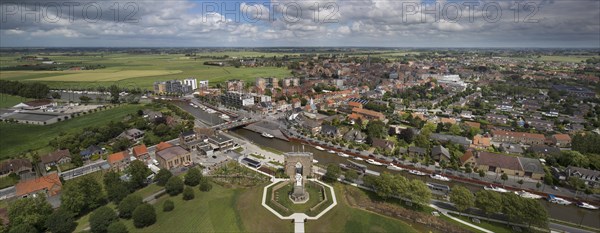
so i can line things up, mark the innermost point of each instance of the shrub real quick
(174, 186)
(168, 206)
(205, 185)
(144, 215)
(101, 218)
(193, 177)
(128, 205)
(162, 177)
(117, 227)
(188, 193)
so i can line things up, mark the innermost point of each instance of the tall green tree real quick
(128, 205)
(512, 207)
(332, 173)
(114, 94)
(174, 186)
(162, 177)
(385, 186)
(462, 198)
(61, 221)
(138, 172)
(488, 201)
(535, 213)
(101, 218)
(144, 215)
(117, 227)
(83, 195)
(419, 192)
(376, 129)
(116, 189)
(23, 228)
(193, 177)
(30, 211)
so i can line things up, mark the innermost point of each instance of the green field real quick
(344, 218)
(562, 58)
(240, 210)
(7, 101)
(138, 70)
(19, 138)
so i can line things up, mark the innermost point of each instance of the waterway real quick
(569, 213)
(565, 213)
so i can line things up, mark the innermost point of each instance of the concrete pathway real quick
(445, 212)
(298, 218)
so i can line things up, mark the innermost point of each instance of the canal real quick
(569, 213)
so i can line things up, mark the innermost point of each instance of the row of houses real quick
(500, 163)
(560, 140)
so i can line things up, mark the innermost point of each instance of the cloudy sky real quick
(393, 23)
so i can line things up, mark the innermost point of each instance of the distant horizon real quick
(281, 47)
(291, 23)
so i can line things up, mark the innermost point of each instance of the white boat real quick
(358, 158)
(394, 167)
(495, 189)
(525, 194)
(439, 177)
(224, 117)
(558, 200)
(371, 161)
(418, 173)
(319, 148)
(267, 135)
(209, 110)
(331, 151)
(342, 154)
(587, 206)
(315, 161)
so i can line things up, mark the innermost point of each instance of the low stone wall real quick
(324, 193)
(273, 201)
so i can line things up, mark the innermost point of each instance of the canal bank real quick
(564, 213)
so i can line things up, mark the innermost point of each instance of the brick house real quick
(118, 161)
(56, 158)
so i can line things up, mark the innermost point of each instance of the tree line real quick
(515, 208)
(33, 90)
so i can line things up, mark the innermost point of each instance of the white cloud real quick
(357, 22)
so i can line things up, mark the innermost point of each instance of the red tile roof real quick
(162, 146)
(562, 137)
(140, 150)
(50, 183)
(116, 157)
(498, 160)
(466, 156)
(519, 134)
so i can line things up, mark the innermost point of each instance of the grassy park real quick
(239, 210)
(24, 138)
(7, 101)
(138, 70)
(235, 209)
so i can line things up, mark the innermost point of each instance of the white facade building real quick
(192, 82)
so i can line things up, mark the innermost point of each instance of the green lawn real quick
(139, 70)
(84, 221)
(344, 218)
(19, 138)
(220, 210)
(283, 197)
(7, 101)
(7, 182)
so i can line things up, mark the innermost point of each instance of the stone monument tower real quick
(298, 166)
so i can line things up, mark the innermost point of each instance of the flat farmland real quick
(137, 70)
(100, 75)
(19, 138)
